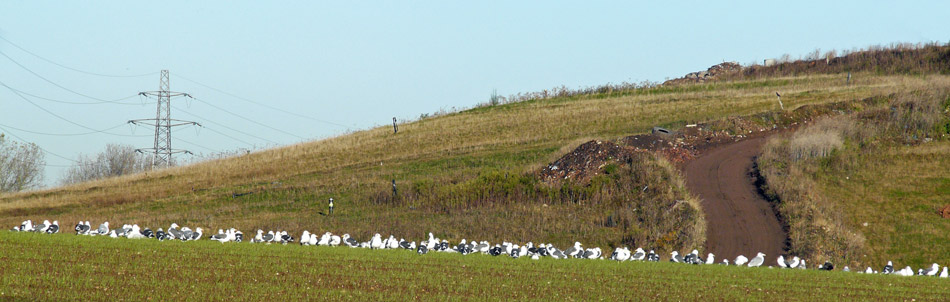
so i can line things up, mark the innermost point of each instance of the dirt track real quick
(739, 220)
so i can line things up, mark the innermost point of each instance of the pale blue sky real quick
(349, 65)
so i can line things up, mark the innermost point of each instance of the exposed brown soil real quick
(717, 158)
(944, 211)
(586, 161)
(739, 221)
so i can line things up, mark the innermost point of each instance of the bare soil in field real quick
(739, 221)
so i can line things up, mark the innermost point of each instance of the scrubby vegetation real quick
(898, 58)
(796, 169)
(637, 200)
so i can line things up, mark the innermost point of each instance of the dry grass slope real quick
(286, 187)
(808, 175)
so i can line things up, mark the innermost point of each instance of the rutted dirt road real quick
(738, 220)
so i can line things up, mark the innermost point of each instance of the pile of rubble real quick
(586, 161)
(708, 74)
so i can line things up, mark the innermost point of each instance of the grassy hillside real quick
(286, 188)
(865, 187)
(43, 267)
(896, 191)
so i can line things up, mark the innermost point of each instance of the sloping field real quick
(286, 188)
(892, 197)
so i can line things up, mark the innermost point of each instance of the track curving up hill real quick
(739, 221)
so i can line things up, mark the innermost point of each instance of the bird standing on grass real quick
(757, 261)
(741, 260)
(331, 207)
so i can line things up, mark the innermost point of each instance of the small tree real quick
(115, 160)
(495, 99)
(21, 165)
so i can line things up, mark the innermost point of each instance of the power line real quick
(247, 119)
(264, 105)
(228, 136)
(49, 81)
(38, 146)
(116, 101)
(68, 134)
(222, 125)
(196, 145)
(74, 69)
(58, 116)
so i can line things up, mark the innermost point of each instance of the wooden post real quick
(780, 101)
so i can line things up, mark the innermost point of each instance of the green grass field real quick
(896, 192)
(39, 267)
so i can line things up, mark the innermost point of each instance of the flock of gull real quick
(433, 244)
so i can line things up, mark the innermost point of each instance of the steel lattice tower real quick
(163, 123)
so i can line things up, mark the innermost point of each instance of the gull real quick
(781, 262)
(269, 237)
(186, 234)
(174, 232)
(220, 236)
(335, 240)
(593, 253)
(943, 273)
(305, 238)
(932, 271)
(575, 251)
(26, 226)
(493, 251)
(349, 241)
(675, 257)
(653, 257)
(41, 228)
(828, 266)
(285, 238)
(888, 269)
(794, 263)
(866, 271)
(906, 271)
(846, 269)
(758, 260)
(392, 244)
(54, 228)
(135, 234)
(710, 258)
(376, 242)
(620, 254)
(741, 260)
(638, 254)
(692, 257)
(103, 228)
(197, 234)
